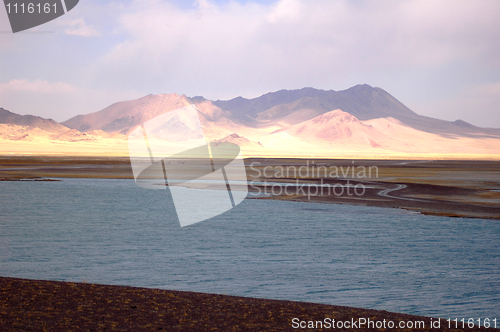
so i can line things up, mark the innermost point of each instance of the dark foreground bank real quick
(34, 305)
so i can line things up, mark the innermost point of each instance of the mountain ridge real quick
(362, 101)
(123, 116)
(283, 107)
(7, 117)
(360, 120)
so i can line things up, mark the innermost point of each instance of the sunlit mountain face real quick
(359, 121)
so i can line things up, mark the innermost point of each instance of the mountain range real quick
(359, 121)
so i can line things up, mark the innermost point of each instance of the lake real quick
(112, 232)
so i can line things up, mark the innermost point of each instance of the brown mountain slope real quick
(300, 110)
(282, 109)
(337, 126)
(362, 101)
(49, 125)
(123, 116)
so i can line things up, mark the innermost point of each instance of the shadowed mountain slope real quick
(281, 108)
(305, 115)
(7, 117)
(362, 101)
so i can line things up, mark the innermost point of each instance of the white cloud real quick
(77, 27)
(205, 6)
(421, 51)
(234, 48)
(36, 86)
(285, 10)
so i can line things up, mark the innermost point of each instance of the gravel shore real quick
(36, 305)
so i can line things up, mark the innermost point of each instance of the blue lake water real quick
(112, 232)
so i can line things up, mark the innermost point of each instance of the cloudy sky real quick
(440, 58)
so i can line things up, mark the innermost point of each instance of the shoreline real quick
(27, 304)
(468, 189)
(402, 196)
(460, 188)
